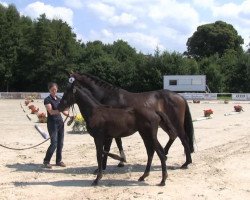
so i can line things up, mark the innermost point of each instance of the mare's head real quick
(74, 91)
(68, 98)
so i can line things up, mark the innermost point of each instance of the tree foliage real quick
(213, 38)
(35, 52)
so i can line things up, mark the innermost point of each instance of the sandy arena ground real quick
(220, 168)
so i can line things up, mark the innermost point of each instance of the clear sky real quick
(144, 24)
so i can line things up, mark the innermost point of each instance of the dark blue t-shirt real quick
(54, 104)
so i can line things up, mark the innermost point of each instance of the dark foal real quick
(106, 122)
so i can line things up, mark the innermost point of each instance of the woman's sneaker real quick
(47, 165)
(61, 164)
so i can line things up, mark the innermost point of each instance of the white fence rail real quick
(199, 96)
(23, 95)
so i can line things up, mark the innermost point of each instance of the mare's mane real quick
(89, 94)
(99, 81)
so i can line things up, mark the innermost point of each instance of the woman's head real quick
(53, 87)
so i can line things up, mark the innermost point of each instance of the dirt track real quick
(220, 168)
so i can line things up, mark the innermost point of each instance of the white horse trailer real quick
(185, 83)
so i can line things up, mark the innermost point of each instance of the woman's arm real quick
(56, 112)
(50, 110)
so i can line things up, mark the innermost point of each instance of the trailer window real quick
(172, 82)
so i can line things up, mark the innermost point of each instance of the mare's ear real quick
(68, 72)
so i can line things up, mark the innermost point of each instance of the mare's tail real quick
(189, 128)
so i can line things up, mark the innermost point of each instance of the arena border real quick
(188, 96)
(217, 96)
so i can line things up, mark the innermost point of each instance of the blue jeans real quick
(56, 132)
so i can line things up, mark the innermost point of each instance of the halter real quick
(71, 81)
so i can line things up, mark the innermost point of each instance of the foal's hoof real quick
(95, 183)
(121, 164)
(185, 166)
(166, 158)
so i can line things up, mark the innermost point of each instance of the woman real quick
(55, 127)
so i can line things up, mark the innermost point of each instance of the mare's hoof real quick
(96, 171)
(184, 166)
(161, 184)
(121, 164)
(141, 179)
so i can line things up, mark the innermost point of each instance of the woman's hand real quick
(71, 119)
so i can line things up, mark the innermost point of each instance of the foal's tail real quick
(167, 121)
(189, 128)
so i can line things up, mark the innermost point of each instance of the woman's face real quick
(53, 90)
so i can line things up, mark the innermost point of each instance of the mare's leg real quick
(119, 145)
(184, 140)
(150, 152)
(99, 150)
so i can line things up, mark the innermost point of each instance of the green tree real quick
(125, 68)
(9, 44)
(177, 64)
(214, 38)
(236, 72)
(53, 48)
(209, 66)
(25, 59)
(148, 76)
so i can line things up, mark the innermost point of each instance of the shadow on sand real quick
(82, 183)
(111, 169)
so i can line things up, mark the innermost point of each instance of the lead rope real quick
(73, 116)
(20, 149)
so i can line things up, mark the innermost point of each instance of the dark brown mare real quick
(105, 122)
(173, 105)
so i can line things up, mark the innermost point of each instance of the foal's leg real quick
(106, 148)
(171, 133)
(99, 151)
(168, 145)
(107, 145)
(160, 152)
(150, 152)
(119, 145)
